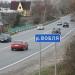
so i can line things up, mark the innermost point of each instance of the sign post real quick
(55, 60)
(40, 59)
(47, 38)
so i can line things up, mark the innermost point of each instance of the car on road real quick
(56, 31)
(72, 17)
(72, 20)
(66, 25)
(40, 27)
(19, 45)
(4, 37)
(59, 24)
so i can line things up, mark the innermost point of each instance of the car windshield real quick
(59, 23)
(17, 42)
(66, 23)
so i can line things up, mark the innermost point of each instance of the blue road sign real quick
(47, 38)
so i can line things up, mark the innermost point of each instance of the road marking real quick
(34, 53)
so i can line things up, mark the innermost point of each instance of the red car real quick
(19, 45)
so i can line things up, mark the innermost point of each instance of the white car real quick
(40, 27)
(59, 24)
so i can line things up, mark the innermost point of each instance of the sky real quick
(13, 0)
(52, 1)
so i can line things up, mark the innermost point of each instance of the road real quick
(8, 57)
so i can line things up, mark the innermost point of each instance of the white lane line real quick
(34, 53)
(25, 58)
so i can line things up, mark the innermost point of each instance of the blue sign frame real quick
(47, 38)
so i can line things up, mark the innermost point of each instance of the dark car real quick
(56, 31)
(72, 17)
(66, 25)
(72, 20)
(19, 45)
(5, 37)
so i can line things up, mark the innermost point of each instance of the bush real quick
(70, 58)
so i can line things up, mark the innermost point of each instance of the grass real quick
(50, 70)
(67, 67)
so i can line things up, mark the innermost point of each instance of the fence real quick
(27, 27)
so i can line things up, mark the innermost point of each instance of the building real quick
(8, 15)
(3, 25)
(23, 7)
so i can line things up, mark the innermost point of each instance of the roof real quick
(25, 5)
(8, 11)
(4, 22)
(1, 23)
(0, 16)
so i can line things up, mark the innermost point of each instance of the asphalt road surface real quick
(8, 57)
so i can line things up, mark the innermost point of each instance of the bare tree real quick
(37, 11)
(4, 4)
(70, 58)
(72, 5)
(64, 6)
(42, 11)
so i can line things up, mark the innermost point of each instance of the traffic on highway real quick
(21, 45)
(37, 37)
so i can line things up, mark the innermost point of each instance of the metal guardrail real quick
(27, 27)
(20, 29)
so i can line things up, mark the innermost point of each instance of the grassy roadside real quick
(67, 66)
(50, 70)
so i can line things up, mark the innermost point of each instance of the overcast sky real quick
(13, 0)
